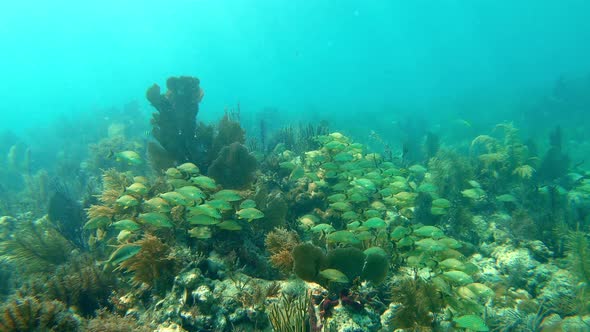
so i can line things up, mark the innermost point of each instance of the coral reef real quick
(305, 230)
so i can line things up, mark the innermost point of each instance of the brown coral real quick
(108, 322)
(174, 124)
(100, 211)
(114, 184)
(153, 265)
(280, 243)
(32, 314)
(234, 168)
(420, 302)
(80, 284)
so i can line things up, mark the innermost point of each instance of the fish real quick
(229, 225)
(126, 224)
(157, 204)
(137, 189)
(189, 168)
(192, 193)
(127, 201)
(228, 195)
(204, 182)
(156, 219)
(334, 275)
(176, 198)
(250, 214)
(129, 157)
(123, 253)
(200, 232)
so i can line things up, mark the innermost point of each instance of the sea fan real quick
(578, 250)
(36, 246)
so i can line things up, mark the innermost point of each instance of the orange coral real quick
(280, 243)
(97, 211)
(152, 265)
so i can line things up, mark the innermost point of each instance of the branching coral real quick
(300, 138)
(502, 158)
(578, 250)
(418, 300)
(153, 264)
(280, 243)
(108, 322)
(114, 184)
(31, 314)
(290, 314)
(80, 284)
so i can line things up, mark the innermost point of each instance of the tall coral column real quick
(174, 125)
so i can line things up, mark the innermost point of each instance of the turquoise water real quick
(200, 165)
(344, 57)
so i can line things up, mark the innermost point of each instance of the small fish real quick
(157, 204)
(200, 232)
(204, 182)
(230, 225)
(297, 173)
(463, 122)
(334, 275)
(220, 204)
(137, 189)
(126, 224)
(155, 219)
(326, 228)
(205, 209)
(141, 179)
(250, 214)
(189, 168)
(129, 157)
(191, 192)
(227, 195)
(341, 206)
(202, 219)
(127, 201)
(174, 173)
(96, 222)
(176, 198)
(248, 203)
(123, 253)
(336, 198)
(124, 235)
